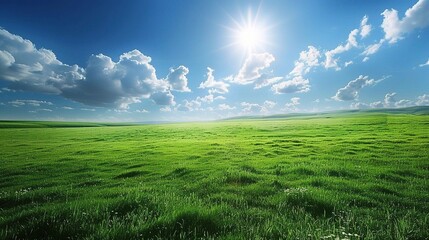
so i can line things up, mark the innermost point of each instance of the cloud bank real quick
(351, 90)
(103, 82)
(415, 17)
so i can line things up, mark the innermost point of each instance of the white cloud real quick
(269, 104)
(346, 64)
(423, 100)
(359, 105)
(307, 60)
(88, 109)
(266, 81)
(378, 104)
(331, 61)
(67, 108)
(292, 105)
(253, 67)
(223, 107)
(373, 48)
(209, 98)
(165, 109)
(178, 80)
(365, 59)
(142, 111)
(7, 90)
(102, 82)
(365, 28)
(404, 103)
(34, 103)
(163, 98)
(215, 86)
(257, 108)
(295, 85)
(118, 84)
(424, 64)
(351, 90)
(415, 17)
(31, 69)
(390, 99)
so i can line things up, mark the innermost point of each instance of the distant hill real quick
(418, 110)
(51, 124)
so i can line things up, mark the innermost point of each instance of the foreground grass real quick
(362, 176)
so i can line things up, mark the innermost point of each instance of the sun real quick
(250, 37)
(250, 34)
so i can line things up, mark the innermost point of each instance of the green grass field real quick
(351, 176)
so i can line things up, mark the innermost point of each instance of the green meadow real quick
(360, 175)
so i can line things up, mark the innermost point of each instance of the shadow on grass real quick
(131, 174)
(187, 224)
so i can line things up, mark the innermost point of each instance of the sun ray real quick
(248, 33)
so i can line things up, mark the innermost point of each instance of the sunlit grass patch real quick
(355, 177)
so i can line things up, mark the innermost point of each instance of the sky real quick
(144, 61)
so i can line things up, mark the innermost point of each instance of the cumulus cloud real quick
(390, 99)
(404, 103)
(195, 105)
(423, 100)
(178, 80)
(351, 90)
(331, 61)
(210, 98)
(292, 105)
(424, 64)
(295, 85)
(266, 81)
(224, 107)
(253, 68)
(31, 69)
(307, 60)
(118, 84)
(162, 98)
(415, 17)
(359, 105)
(103, 82)
(215, 86)
(165, 109)
(189, 106)
(365, 28)
(377, 104)
(257, 108)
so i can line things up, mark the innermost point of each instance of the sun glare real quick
(250, 37)
(249, 34)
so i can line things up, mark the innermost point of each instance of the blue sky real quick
(202, 60)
